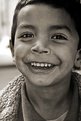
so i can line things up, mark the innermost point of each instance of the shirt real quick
(15, 106)
(30, 114)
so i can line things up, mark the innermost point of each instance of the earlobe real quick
(77, 64)
(11, 48)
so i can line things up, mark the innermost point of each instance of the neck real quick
(50, 102)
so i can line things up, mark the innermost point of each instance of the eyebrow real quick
(60, 27)
(23, 26)
(52, 27)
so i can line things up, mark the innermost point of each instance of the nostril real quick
(45, 51)
(34, 50)
(40, 50)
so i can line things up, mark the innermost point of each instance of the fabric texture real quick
(11, 99)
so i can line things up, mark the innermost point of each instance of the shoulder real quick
(10, 97)
(77, 77)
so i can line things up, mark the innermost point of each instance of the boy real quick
(45, 43)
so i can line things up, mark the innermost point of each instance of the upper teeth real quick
(41, 64)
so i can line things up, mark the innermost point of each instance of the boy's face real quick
(46, 44)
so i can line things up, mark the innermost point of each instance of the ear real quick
(77, 64)
(11, 48)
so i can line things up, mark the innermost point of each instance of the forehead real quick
(42, 15)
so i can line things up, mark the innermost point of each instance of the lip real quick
(41, 70)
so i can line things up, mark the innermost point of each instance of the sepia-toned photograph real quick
(40, 60)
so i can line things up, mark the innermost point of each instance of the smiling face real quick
(46, 44)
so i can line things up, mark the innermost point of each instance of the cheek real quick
(66, 54)
(19, 51)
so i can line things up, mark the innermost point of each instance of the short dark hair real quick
(73, 7)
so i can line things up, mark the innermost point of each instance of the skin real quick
(43, 36)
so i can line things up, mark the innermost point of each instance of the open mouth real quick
(41, 65)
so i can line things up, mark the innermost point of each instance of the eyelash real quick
(27, 35)
(59, 37)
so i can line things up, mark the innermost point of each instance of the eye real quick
(27, 35)
(59, 37)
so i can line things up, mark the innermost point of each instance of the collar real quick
(28, 111)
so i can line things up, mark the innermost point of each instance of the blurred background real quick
(7, 67)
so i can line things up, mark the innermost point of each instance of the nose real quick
(40, 49)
